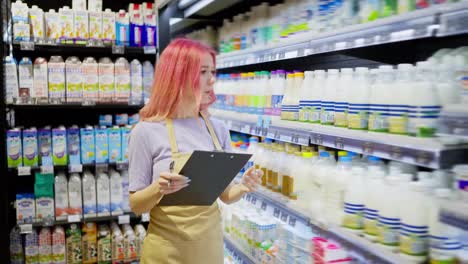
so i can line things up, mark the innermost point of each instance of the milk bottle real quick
(399, 105)
(327, 115)
(116, 193)
(278, 88)
(389, 215)
(61, 196)
(56, 78)
(75, 195)
(316, 96)
(425, 108)
(148, 72)
(103, 194)
(262, 87)
(16, 246)
(287, 106)
(319, 175)
(372, 202)
(358, 98)
(122, 80)
(303, 180)
(58, 245)
(414, 224)
(89, 195)
(106, 80)
(89, 68)
(354, 201)
(335, 190)
(74, 79)
(341, 100)
(250, 93)
(125, 193)
(447, 90)
(380, 96)
(305, 102)
(298, 81)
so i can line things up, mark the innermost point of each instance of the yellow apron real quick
(184, 234)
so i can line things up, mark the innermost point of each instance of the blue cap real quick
(253, 139)
(268, 140)
(324, 154)
(373, 158)
(345, 159)
(243, 146)
(352, 154)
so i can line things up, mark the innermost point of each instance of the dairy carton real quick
(45, 146)
(103, 194)
(122, 25)
(136, 73)
(89, 195)
(150, 30)
(45, 207)
(36, 17)
(88, 148)
(116, 194)
(106, 80)
(89, 239)
(95, 25)
(148, 71)
(31, 248)
(25, 208)
(11, 78)
(102, 145)
(25, 71)
(125, 137)
(30, 149)
(89, 68)
(14, 148)
(73, 145)
(108, 26)
(122, 80)
(45, 246)
(79, 5)
(74, 246)
(40, 88)
(58, 245)
(104, 250)
(53, 26)
(115, 148)
(19, 12)
(61, 196)
(81, 26)
(59, 146)
(56, 72)
(75, 195)
(74, 79)
(95, 5)
(21, 31)
(68, 24)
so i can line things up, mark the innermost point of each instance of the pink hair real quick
(176, 89)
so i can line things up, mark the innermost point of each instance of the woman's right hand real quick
(171, 183)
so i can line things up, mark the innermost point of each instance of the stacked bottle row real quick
(78, 245)
(406, 100)
(56, 198)
(79, 25)
(269, 238)
(267, 24)
(77, 81)
(359, 194)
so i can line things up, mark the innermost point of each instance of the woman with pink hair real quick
(174, 123)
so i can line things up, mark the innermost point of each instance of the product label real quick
(61, 199)
(56, 80)
(423, 120)
(388, 231)
(40, 80)
(54, 27)
(95, 25)
(370, 222)
(11, 82)
(108, 26)
(30, 150)
(353, 216)
(81, 25)
(14, 149)
(21, 32)
(37, 23)
(327, 117)
(276, 101)
(122, 82)
(358, 116)
(118, 252)
(45, 253)
(90, 80)
(74, 249)
(74, 82)
(68, 30)
(341, 114)
(25, 80)
(106, 81)
(104, 249)
(59, 147)
(89, 199)
(58, 247)
(378, 119)
(414, 240)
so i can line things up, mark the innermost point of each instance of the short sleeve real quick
(140, 158)
(223, 135)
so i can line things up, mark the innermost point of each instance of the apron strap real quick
(214, 137)
(172, 138)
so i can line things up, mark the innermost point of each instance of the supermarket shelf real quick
(358, 246)
(435, 153)
(233, 246)
(205, 8)
(73, 106)
(101, 50)
(414, 25)
(72, 168)
(455, 214)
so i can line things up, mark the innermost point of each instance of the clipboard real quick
(211, 173)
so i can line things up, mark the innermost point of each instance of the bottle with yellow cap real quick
(298, 81)
(303, 184)
(287, 107)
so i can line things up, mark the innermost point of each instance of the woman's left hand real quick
(251, 179)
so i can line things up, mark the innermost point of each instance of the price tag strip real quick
(124, 219)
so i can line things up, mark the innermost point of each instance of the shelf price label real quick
(27, 45)
(300, 52)
(423, 157)
(74, 218)
(47, 169)
(145, 217)
(248, 198)
(24, 171)
(284, 217)
(339, 143)
(368, 148)
(26, 228)
(118, 49)
(292, 221)
(149, 50)
(395, 152)
(254, 200)
(276, 213)
(264, 206)
(75, 168)
(124, 219)
(286, 138)
(245, 129)
(318, 140)
(277, 135)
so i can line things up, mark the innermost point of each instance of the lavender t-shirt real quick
(149, 150)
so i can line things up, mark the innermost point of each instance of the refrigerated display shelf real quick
(359, 247)
(437, 21)
(239, 253)
(71, 168)
(74, 106)
(435, 153)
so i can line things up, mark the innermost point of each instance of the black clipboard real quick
(211, 173)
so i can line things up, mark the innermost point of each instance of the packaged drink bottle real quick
(75, 195)
(341, 99)
(89, 195)
(358, 98)
(25, 72)
(398, 107)
(381, 94)
(106, 80)
(327, 115)
(122, 80)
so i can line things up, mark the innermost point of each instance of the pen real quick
(171, 170)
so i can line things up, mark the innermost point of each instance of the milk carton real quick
(122, 25)
(115, 147)
(40, 88)
(25, 71)
(56, 78)
(122, 80)
(14, 148)
(79, 5)
(58, 245)
(103, 194)
(136, 73)
(89, 68)
(45, 207)
(53, 26)
(74, 245)
(150, 30)
(11, 79)
(45, 146)
(81, 26)
(106, 80)
(89, 195)
(104, 249)
(125, 137)
(36, 17)
(89, 239)
(73, 145)
(19, 12)
(88, 155)
(31, 248)
(59, 146)
(102, 145)
(95, 5)
(61, 196)
(105, 120)
(25, 208)
(95, 25)
(108, 26)
(45, 246)
(133, 119)
(116, 194)
(21, 31)
(148, 72)
(67, 17)
(125, 193)
(16, 246)
(121, 119)
(75, 204)
(74, 79)
(30, 150)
